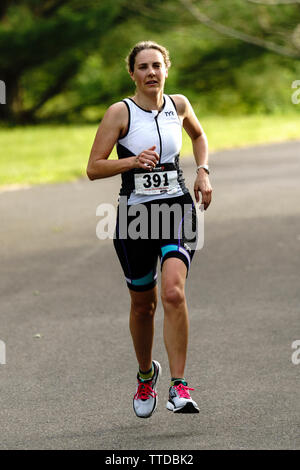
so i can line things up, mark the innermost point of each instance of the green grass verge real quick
(48, 154)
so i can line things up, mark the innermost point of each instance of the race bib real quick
(156, 182)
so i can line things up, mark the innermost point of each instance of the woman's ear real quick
(131, 75)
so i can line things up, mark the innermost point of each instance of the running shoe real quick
(180, 400)
(145, 399)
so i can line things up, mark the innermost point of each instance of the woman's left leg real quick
(176, 327)
(176, 323)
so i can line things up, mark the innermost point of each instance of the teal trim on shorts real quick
(166, 249)
(143, 280)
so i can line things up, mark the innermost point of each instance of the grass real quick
(48, 154)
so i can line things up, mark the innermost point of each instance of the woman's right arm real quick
(112, 126)
(107, 135)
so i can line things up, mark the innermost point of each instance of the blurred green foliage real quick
(63, 60)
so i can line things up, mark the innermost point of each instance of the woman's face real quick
(150, 71)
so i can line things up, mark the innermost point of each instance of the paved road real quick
(70, 369)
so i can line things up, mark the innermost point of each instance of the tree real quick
(61, 58)
(269, 34)
(51, 38)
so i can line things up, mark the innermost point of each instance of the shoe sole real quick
(188, 408)
(156, 399)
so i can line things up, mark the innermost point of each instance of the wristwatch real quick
(205, 167)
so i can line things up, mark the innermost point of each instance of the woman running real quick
(147, 129)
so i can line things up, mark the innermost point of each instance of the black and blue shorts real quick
(162, 228)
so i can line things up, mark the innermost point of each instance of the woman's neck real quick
(156, 101)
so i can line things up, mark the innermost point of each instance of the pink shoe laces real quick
(183, 390)
(144, 391)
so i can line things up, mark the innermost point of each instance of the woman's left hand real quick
(203, 185)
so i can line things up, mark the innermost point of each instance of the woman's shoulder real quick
(116, 112)
(181, 102)
(118, 107)
(116, 117)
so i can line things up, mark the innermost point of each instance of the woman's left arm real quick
(200, 148)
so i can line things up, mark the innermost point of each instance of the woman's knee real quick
(173, 294)
(143, 306)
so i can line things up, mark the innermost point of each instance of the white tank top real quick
(147, 128)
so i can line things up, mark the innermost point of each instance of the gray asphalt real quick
(70, 369)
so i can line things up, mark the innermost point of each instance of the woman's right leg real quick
(143, 305)
(141, 323)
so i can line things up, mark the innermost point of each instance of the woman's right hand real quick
(147, 159)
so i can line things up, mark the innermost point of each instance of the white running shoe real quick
(145, 399)
(180, 400)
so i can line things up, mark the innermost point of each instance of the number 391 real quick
(155, 180)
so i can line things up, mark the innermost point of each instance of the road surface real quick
(70, 370)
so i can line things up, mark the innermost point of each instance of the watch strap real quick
(205, 167)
